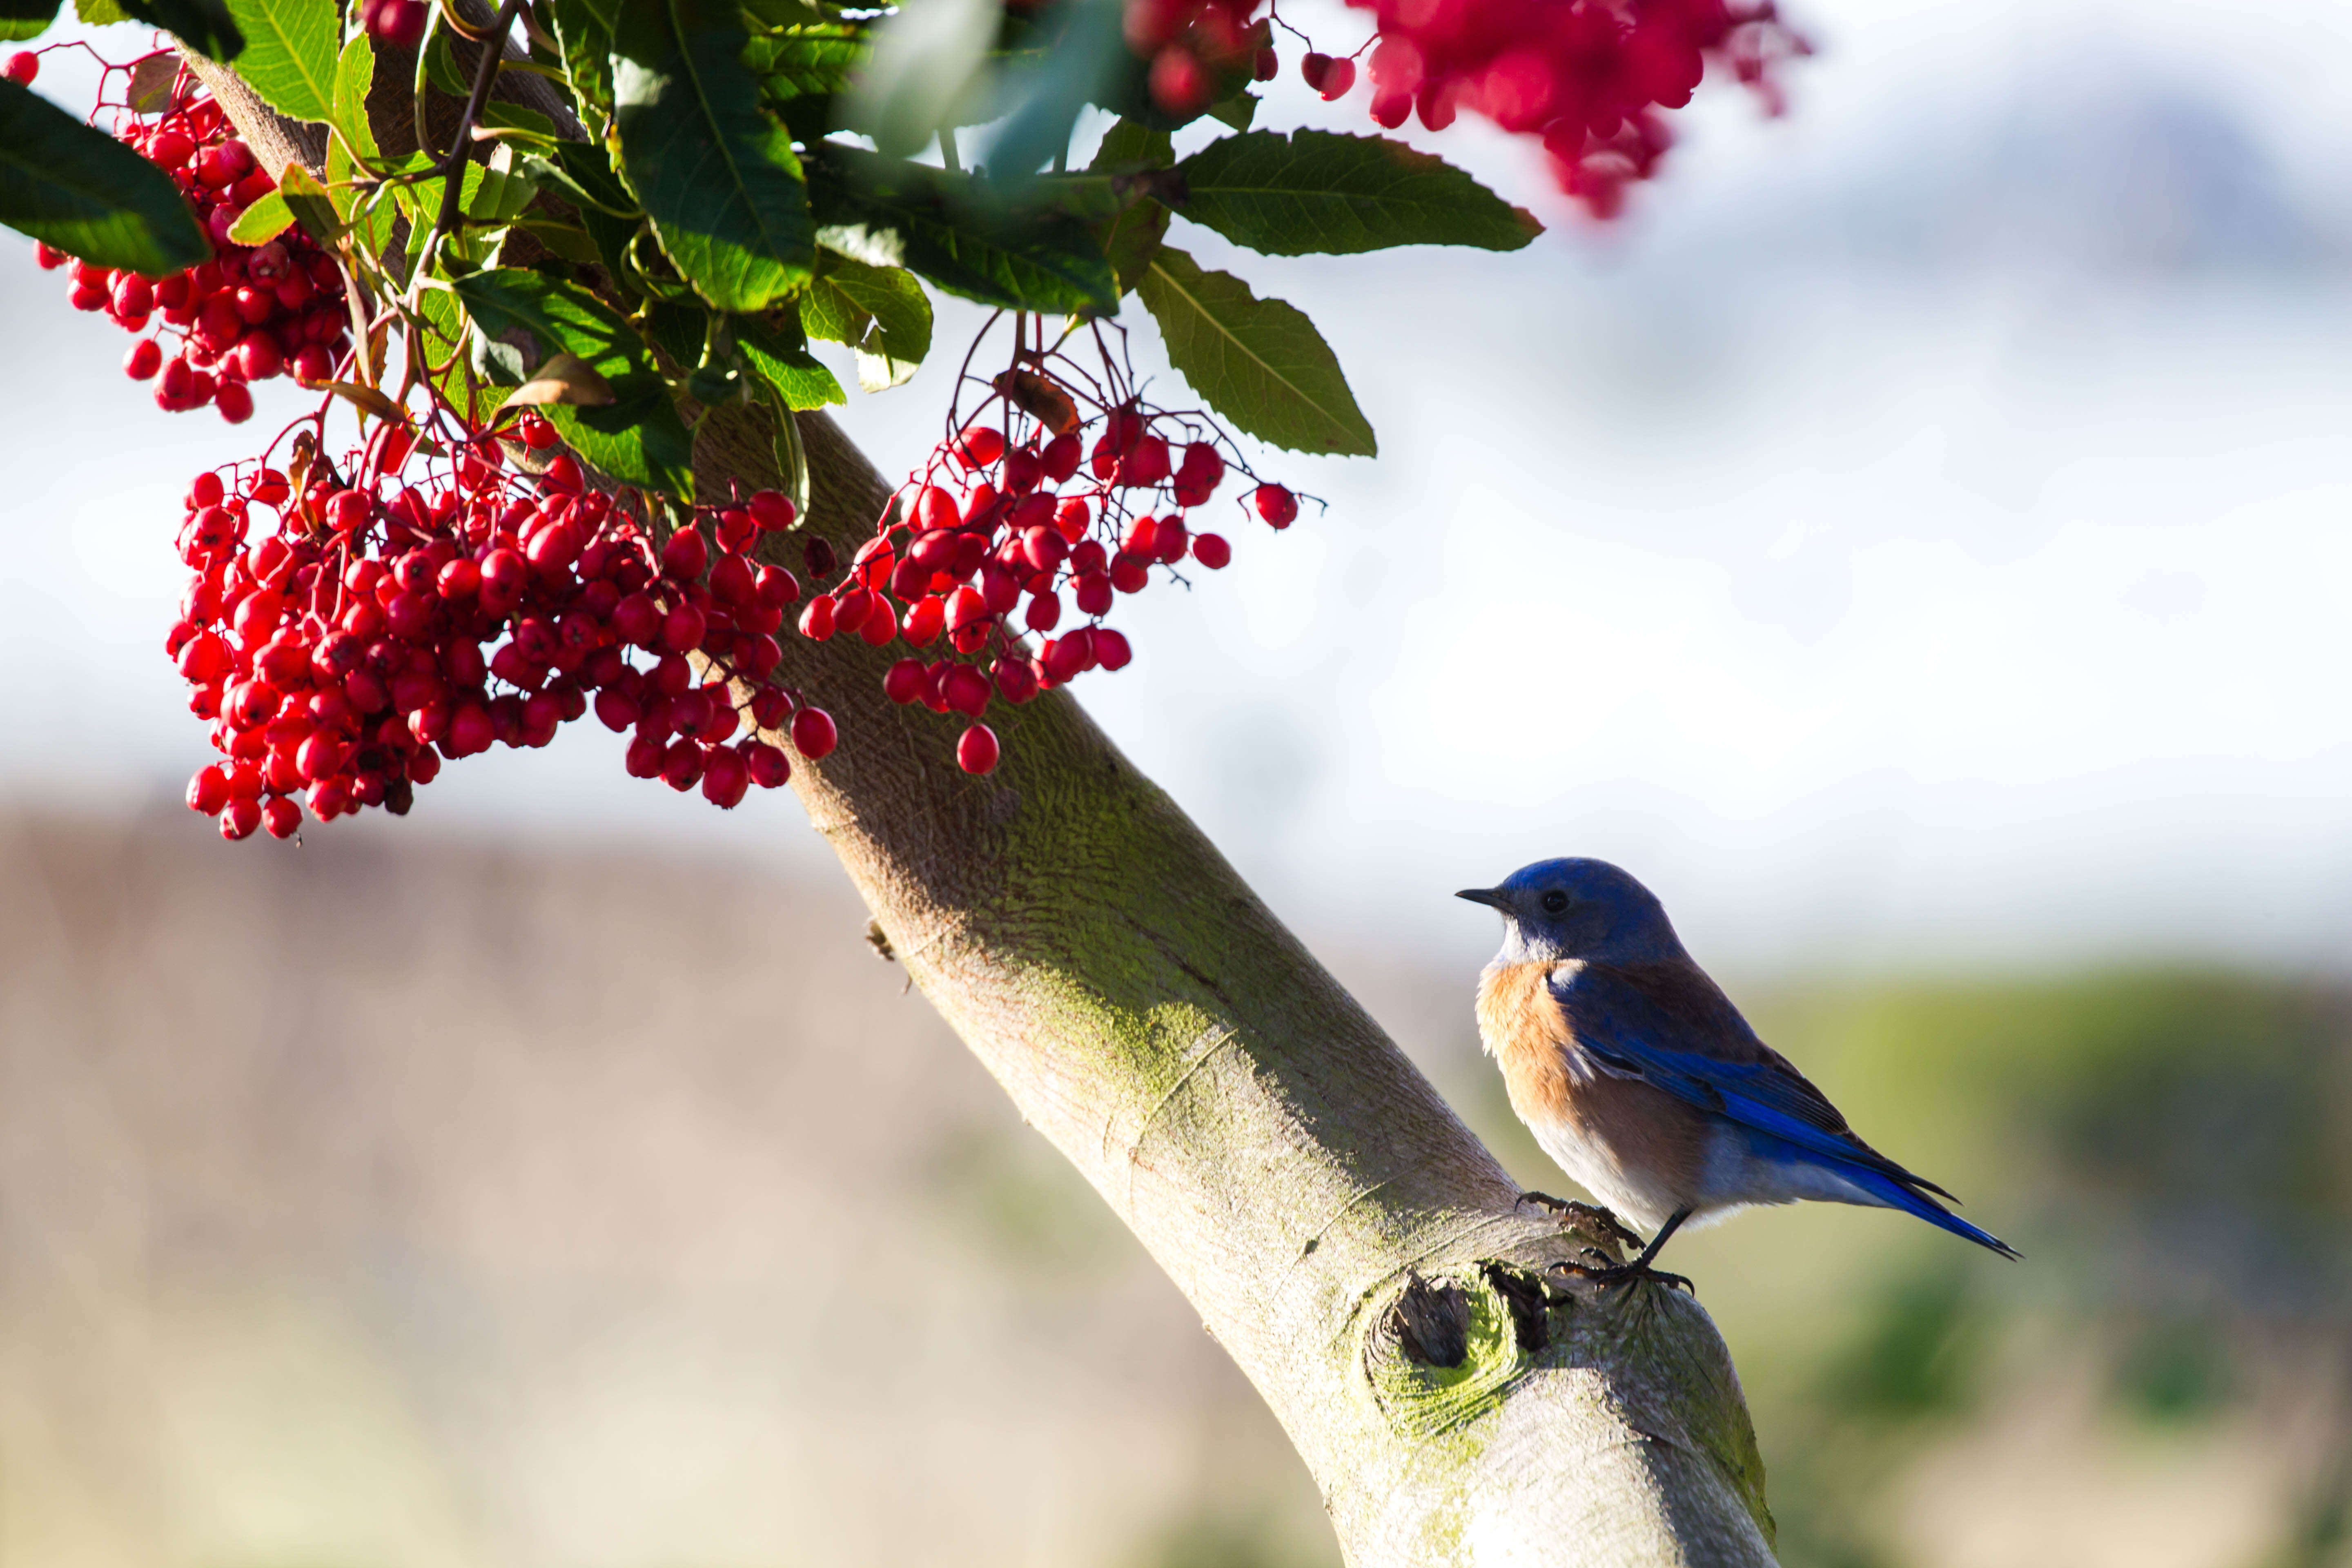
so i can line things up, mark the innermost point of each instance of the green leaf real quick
(881, 312)
(371, 216)
(290, 54)
(638, 438)
(1240, 111)
(150, 89)
(582, 172)
(890, 213)
(354, 75)
(262, 222)
(310, 203)
(583, 36)
(1313, 192)
(204, 26)
(778, 355)
(86, 193)
(791, 456)
(1133, 234)
(99, 13)
(804, 62)
(1259, 362)
(446, 320)
(439, 63)
(717, 176)
(26, 18)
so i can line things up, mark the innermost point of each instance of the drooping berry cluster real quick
(250, 312)
(1587, 76)
(368, 634)
(1069, 507)
(1192, 44)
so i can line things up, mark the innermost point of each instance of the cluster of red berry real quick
(249, 314)
(1587, 76)
(952, 567)
(1192, 43)
(346, 653)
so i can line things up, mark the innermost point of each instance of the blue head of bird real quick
(1578, 909)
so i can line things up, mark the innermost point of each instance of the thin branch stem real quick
(453, 167)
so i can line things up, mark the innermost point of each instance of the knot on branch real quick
(1441, 1353)
(1430, 1323)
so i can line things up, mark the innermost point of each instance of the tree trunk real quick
(1355, 1250)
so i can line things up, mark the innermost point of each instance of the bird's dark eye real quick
(1554, 902)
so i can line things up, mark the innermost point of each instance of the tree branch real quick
(1358, 1253)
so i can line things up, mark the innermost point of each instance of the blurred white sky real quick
(1916, 536)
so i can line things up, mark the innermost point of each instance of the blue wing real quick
(1669, 1026)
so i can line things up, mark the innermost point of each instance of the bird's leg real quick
(1593, 1214)
(1639, 1267)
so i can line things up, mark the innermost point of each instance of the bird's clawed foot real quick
(1593, 1214)
(1607, 1273)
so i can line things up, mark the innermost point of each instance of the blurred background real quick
(1913, 540)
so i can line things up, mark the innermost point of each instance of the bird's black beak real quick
(1490, 896)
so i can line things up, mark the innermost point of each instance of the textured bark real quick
(1358, 1253)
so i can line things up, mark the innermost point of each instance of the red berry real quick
(1211, 551)
(347, 511)
(926, 618)
(257, 356)
(1017, 681)
(686, 556)
(1063, 659)
(1169, 542)
(737, 530)
(769, 767)
(771, 510)
(731, 582)
(979, 446)
(813, 734)
(1276, 505)
(1110, 649)
(461, 579)
(903, 682)
(23, 67)
(282, 818)
(935, 510)
(850, 610)
(816, 621)
(537, 433)
(208, 791)
(776, 587)
(725, 777)
(240, 818)
(976, 753)
(1180, 85)
(399, 24)
(681, 765)
(145, 358)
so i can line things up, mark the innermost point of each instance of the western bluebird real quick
(1638, 1076)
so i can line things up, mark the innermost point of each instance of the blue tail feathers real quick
(1895, 1195)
